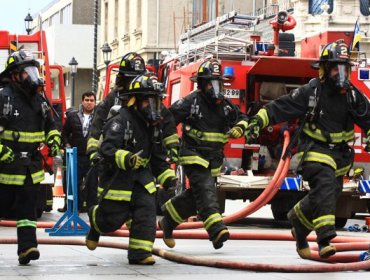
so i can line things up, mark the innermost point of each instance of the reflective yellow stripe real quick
(262, 113)
(243, 124)
(140, 244)
(38, 176)
(216, 171)
(342, 171)
(150, 187)
(49, 202)
(173, 213)
(116, 195)
(24, 137)
(302, 218)
(208, 136)
(319, 157)
(120, 156)
(94, 219)
(165, 175)
(92, 144)
(11, 179)
(185, 160)
(211, 220)
(327, 220)
(26, 223)
(336, 137)
(52, 133)
(172, 139)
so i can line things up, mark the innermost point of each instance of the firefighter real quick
(328, 107)
(208, 119)
(127, 185)
(132, 65)
(25, 123)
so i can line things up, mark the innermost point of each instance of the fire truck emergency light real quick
(364, 74)
(229, 72)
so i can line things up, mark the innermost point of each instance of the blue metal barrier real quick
(70, 223)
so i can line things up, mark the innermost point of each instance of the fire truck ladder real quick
(226, 36)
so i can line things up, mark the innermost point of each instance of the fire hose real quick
(347, 262)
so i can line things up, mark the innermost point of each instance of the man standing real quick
(208, 120)
(328, 108)
(74, 134)
(25, 123)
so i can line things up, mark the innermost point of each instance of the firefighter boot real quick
(92, 238)
(303, 249)
(220, 238)
(28, 255)
(167, 233)
(146, 261)
(326, 249)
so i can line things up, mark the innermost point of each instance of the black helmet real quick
(335, 52)
(146, 87)
(132, 64)
(209, 70)
(18, 59)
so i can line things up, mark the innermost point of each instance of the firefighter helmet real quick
(18, 59)
(146, 87)
(209, 70)
(336, 52)
(132, 64)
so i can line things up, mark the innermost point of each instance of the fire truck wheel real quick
(340, 222)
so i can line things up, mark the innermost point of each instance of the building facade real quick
(69, 29)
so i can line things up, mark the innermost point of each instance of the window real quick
(116, 10)
(138, 15)
(197, 12)
(175, 92)
(106, 21)
(65, 15)
(54, 19)
(127, 17)
(364, 7)
(204, 10)
(314, 6)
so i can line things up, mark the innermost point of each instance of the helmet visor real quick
(218, 88)
(155, 107)
(33, 74)
(342, 74)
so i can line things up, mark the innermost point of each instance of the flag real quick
(355, 46)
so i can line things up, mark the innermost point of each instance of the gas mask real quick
(152, 111)
(33, 79)
(216, 92)
(340, 79)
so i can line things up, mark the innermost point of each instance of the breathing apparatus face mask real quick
(338, 76)
(30, 79)
(216, 91)
(150, 108)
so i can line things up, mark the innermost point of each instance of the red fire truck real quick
(259, 72)
(54, 90)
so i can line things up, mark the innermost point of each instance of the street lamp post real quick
(27, 22)
(107, 52)
(73, 64)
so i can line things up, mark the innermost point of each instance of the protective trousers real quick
(110, 215)
(201, 198)
(23, 201)
(316, 211)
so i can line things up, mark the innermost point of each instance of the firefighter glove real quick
(6, 154)
(253, 130)
(367, 143)
(235, 132)
(135, 161)
(170, 183)
(94, 158)
(173, 155)
(54, 145)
